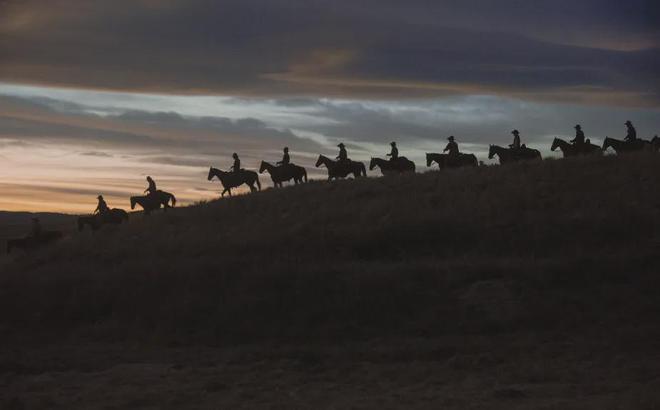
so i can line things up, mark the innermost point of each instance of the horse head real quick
(320, 161)
(492, 151)
(211, 173)
(607, 143)
(372, 164)
(555, 144)
(263, 167)
(429, 160)
(133, 202)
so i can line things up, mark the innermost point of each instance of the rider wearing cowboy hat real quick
(151, 189)
(452, 146)
(394, 153)
(579, 136)
(102, 207)
(286, 160)
(516, 140)
(237, 163)
(343, 155)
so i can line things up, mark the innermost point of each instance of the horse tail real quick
(173, 198)
(304, 172)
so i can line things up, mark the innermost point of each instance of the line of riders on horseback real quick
(340, 167)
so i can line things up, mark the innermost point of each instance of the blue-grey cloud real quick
(383, 48)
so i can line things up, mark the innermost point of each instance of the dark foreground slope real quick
(529, 285)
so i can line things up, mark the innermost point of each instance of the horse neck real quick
(215, 172)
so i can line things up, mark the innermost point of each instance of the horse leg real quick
(223, 193)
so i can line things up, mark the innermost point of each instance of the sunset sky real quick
(95, 95)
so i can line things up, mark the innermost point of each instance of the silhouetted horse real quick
(387, 167)
(284, 173)
(153, 202)
(338, 170)
(508, 156)
(624, 146)
(444, 161)
(114, 216)
(231, 180)
(34, 242)
(570, 150)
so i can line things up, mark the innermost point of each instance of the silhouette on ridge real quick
(284, 171)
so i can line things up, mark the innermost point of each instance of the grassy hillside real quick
(551, 245)
(527, 286)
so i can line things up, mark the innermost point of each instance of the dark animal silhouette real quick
(570, 150)
(341, 169)
(398, 166)
(445, 161)
(655, 143)
(508, 156)
(624, 146)
(231, 180)
(114, 216)
(153, 202)
(34, 242)
(284, 173)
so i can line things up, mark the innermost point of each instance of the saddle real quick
(153, 194)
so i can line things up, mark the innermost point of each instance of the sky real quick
(95, 95)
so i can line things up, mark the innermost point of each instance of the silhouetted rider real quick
(516, 140)
(343, 154)
(102, 207)
(579, 136)
(237, 163)
(452, 147)
(394, 153)
(286, 160)
(151, 189)
(632, 132)
(36, 228)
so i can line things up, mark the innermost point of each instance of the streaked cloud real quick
(592, 50)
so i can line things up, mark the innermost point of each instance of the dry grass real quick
(528, 253)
